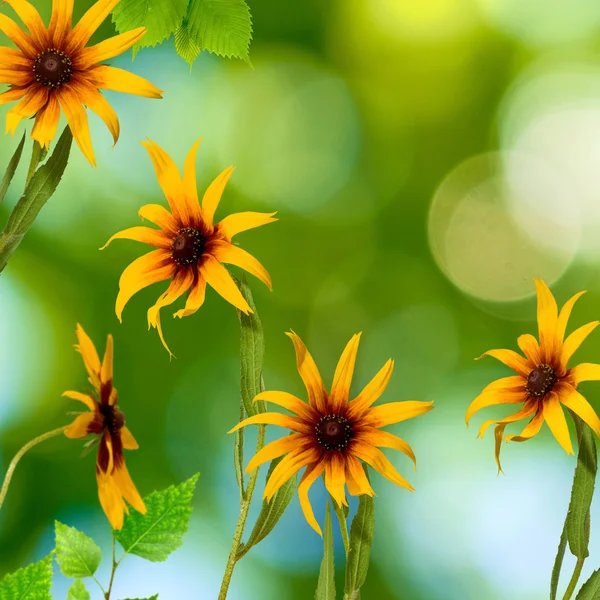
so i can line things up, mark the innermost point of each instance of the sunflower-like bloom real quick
(52, 68)
(332, 434)
(543, 380)
(105, 421)
(190, 246)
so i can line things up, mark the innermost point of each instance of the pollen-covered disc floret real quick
(542, 381)
(188, 246)
(333, 432)
(52, 68)
(332, 435)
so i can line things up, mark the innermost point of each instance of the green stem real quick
(115, 564)
(239, 530)
(19, 455)
(37, 155)
(574, 579)
(343, 525)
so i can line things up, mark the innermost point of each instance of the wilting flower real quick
(107, 423)
(543, 381)
(190, 246)
(52, 68)
(332, 434)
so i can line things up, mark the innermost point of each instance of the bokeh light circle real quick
(488, 237)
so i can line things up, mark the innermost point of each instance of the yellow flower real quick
(107, 423)
(52, 68)
(332, 434)
(543, 381)
(190, 246)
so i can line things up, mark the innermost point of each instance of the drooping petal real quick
(119, 80)
(384, 439)
(212, 196)
(127, 488)
(31, 17)
(270, 418)
(181, 283)
(555, 417)
(129, 442)
(110, 499)
(195, 298)
(311, 474)
(35, 99)
(89, 23)
(356, 478)
(335, 468)
(23, 41)
(530, 348)
(108, 48)
(585, 372)
(146, 235)
(275, 450)
(236, 223)
(91, 360)
(511, 359)
(98, 104)
(217, 276)
(524, 412)
(83, 425)
(377, 459)
(159, 215)
(287, 401)
(309, 373)
(563, 317)
(394, 412)
(372, 391)
(85, 398)
(189, 184)
(573, 400)
(287, 468)
(342, 379)
(60, 21)
(77, 120)
(227, 253)
(547, 316)
(143, 271)
(530, 430)
(46, 122)
(509, 395)
(573, 342)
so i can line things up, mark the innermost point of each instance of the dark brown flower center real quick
(52, 68)
(188, 246)
(114, 419)
(334, 432)
(540, 381)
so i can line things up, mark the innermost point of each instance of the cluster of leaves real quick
(153, 536)
(222, 27)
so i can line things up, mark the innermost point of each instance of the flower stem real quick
(19, 455)
(115, 564)
(343, 525)
(574, 579)
(37, 156)
(239, 530)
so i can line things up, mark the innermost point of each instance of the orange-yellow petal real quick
(394, 412)
(31, 17)
(190, 191)
(110, 499)
(342, 379)
(377, 459)
(335, 479)
(530, 430)
(239, 222)
(530, 348)
(508, 390)
(217, 276)
(24, 42)
(35, 99)
(227, 253)
(287, 401)
(384, 439)
(46, 122)
(555, 417)
(85, 398)
(60, 21)
(573, 342)
(77, 120)
(89, 23)
(525, 411)
(563, 317)
(547, 316)
(127, 488)
(146, 235)
(80, 427)
(574, 401)
(13, 94)
(129, 442)
(372, 391)
(275, 450)
(270, 418)
(108, 48)
(119, 80)
(356, 479)
(97, 103)
(311, 474)
(287, 468)
(511, 359)
(585, 372)
(106, 373)
(195, 298)
(212, 196)
(159, 215)
(88, 351)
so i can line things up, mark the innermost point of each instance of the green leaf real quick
(223, 27)
(578, 517)
(155, 597)
(78, 591)
(42, 185)
(591, 588)
(12, 167)
(185, 45)
(252, 352)
(238, 455)
(326, 584)
(161, 18)
(562, 546)
(76, 554)
(159, 532)
(30, 583)
(361, 540)
(271, 512)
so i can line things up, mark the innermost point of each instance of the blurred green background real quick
(427, 160)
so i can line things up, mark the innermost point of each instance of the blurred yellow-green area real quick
(427, 160)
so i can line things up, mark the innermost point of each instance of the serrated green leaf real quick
(361, 540)
(78, 591)
(271, 512)
(42, 185)
(161, 18)
(77, 554)
(12, 167)
(252, 352)
(591, 588)
(32, 582)
(185, 45)
(155, 597)
(562, 546)
(326, 584)
(223, 27)
(159, 532)
(578, 517)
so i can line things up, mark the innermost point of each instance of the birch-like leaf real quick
(30, 583)
(78, 591)
(77, 554)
